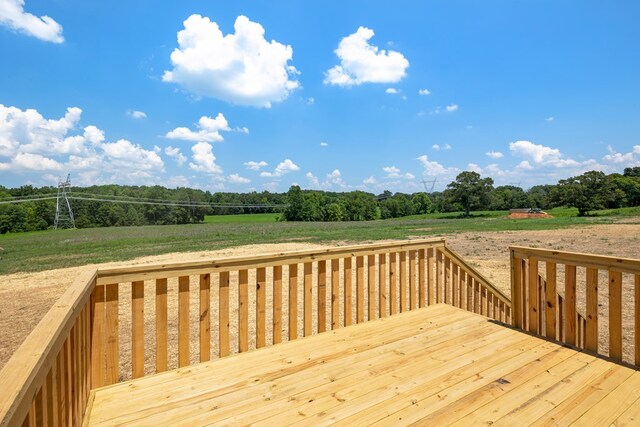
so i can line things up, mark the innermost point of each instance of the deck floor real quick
(435, 366)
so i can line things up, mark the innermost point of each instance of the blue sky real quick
(334, 95)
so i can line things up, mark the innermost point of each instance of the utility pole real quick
(64, 214)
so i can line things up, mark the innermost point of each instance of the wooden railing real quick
(557, 295)
(121, 323)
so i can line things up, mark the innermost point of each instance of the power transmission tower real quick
(433, 184)
(64, 214)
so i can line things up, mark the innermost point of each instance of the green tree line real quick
(590, 191)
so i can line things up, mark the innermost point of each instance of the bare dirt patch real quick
(26, 297)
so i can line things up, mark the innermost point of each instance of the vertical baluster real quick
(308, 298)
(40, 402)
(403, 282)
(98, 337)
(469, 293)
(455, 284)
(359, 289)
(516, 290)
(533, 296)
(112, 350)
(277, 304)
(335, 293)
(615, 314)
(422, 278)
(431, 277)
(439, 274)
(447, 280)
(382, 283)
(591, 329)
(53, 397)
(162, 334)
(293, 301)
(61, 379)
(322, 296)
(137, 329)
(636, 314)
(551, 300)
(205, 317)
(348, 286)
(223, 314)
(570, 304)
(69, 379)
(243, 310)
(393, 285)
(261, 303)
(477, 299)
(183, 321)
(371, 285)
(413, 297)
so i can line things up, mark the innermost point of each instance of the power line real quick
(35, 199)
(177, 203)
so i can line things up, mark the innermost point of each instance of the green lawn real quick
(37, 251)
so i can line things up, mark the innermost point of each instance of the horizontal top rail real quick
(624, 265)
(478, 276)
(166, 270)
(24, 373)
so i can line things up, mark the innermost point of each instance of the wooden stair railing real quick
(539, 303)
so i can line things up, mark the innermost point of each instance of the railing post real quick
(516, 290)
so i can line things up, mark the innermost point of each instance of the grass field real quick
(44, 250)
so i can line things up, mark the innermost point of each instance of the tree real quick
(295, 199)
(587, 192)
(471, 191)
(508, 197)
(422, 203)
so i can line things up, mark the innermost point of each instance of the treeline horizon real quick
(590, 191)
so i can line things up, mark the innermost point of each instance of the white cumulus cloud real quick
(626, 159)
(13, 16)
(433, 168)
(541, 154)
(208, 130)
(175, 154)
(494, 154)
(203, 159)
(283, 168)
(424, 92)
(241, 68)
(451, 108)
(314, 182)
(391, 91)
(361, 62)
(237, 179)
(255, 166)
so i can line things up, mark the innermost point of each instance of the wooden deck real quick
(437, 366)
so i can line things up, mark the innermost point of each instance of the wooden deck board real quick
(437, 365)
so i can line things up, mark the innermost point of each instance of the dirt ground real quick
(26, 297)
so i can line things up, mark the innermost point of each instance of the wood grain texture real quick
(223, 314)
(277, 304)
(137, 329)
(183, 321)
(205, 317)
